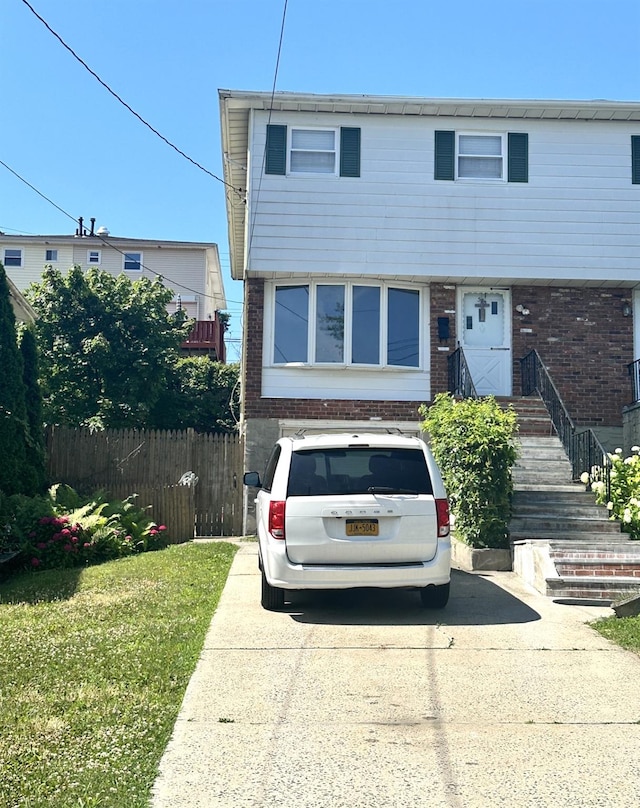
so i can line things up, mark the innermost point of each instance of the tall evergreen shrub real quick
(35, 448)
(13, 412)
(473, 441)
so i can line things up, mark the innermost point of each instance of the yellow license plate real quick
(362, 527)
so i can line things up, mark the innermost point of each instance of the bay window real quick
(353, 324)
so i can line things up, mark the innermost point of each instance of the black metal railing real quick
(460, 382)
(583, 448)
(634, 372)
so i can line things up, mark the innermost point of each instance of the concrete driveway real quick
(365, 699)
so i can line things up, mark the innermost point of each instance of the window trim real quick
(384, 286)
(503, 155)
(12, 263)
(125, 258)
(53, 259)
(94, 263)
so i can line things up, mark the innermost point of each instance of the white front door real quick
(484, 329)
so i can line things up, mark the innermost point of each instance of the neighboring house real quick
(21, 308)
(190, 269)
(380, 234)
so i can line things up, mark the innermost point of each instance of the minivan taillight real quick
(442, 513)
(276, 518)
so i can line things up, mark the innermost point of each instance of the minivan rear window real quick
(358, 470)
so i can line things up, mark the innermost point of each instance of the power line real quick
(124, 103)
(264, 154)
(107, 243)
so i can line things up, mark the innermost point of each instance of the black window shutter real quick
(518, 157)
(635, 159)
(276, 149)
(445, 155)
(349, 151)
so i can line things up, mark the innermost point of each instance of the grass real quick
(624, 631)
(94, 666)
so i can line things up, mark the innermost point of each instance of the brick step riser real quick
(605, 571)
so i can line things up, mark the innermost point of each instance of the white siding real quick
(576, 218)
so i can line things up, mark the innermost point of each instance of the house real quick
(21, 308)
(381, 234)
(191, 269)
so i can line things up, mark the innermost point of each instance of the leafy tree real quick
(107, 346)
(13, 412)
(35, 449)
(198, 395)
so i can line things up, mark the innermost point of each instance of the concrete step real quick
(560, 535)
(571, 494)
(569, 523)
(604, 589)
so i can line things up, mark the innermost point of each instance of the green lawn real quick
(93, 667)
(624, 631)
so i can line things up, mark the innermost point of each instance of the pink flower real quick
(74, 539)
(65, 531)
(128, 538)
(86, 544)
(162, 527)
(153, 532)
(41, 545)
(35, 562)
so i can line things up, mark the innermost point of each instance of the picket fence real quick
(193, 482)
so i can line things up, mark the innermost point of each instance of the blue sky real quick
(72, 140)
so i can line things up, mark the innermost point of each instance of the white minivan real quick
(340, 511)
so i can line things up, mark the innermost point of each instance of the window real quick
(12, 258)
(347, 324)
(132, 261)
(635, 159)
(312, 151)
(51, 255)
(481, 156)
(93, 257)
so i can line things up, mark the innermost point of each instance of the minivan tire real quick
(272, 597)
(435, 597)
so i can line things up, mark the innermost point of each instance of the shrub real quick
(473, 443)
(624, 500)
(65, 530)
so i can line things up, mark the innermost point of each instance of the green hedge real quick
(473, 443)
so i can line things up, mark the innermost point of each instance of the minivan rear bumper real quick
(280, 572)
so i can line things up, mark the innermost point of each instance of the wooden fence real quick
(151, 464)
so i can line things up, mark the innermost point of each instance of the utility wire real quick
(108, 243)
(239, 191)
(264, 154)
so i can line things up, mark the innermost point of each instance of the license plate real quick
(362, 527)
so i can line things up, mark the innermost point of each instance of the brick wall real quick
(585, 342)
(580, 335)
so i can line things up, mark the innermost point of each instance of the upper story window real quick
(300, 151)
(481, 156)
(347, 324)
(313, 151)
(12, 258)
(132, 261)
(94, 257)
(51, 255)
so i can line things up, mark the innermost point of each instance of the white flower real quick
(629, 460)
(618, 451)
(610, 506)
(635, 449)
(626, 517)
(584, 478)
